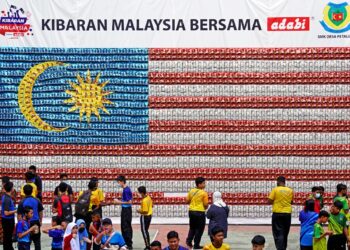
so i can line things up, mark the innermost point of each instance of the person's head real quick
(92, 185)
(64, 224)
(5, 179)
(217, 234)
(281, 181)
(321, 190)
(342, 189)
(96, 216)
(81, 225)
(63, 187)
(28, 190)
(8, 186)
(63, 176)
(316, 192)
(55, 220)
(32, 169)
(336, 207)
(94, 179)
(29, 176)
(72, 227)
(121, 180)
(323, 216)
(309, 206)
(173, 240)
(28, 212)
(258, 242)
(156, 245)
(217, 196)
(142, 191)
(200, 182)
(107, 225)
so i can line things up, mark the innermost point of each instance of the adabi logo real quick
(336, 17)
(288, 23)
(13, 22)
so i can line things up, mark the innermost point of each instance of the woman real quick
(71, 238)
(218, 214)
(307, 218)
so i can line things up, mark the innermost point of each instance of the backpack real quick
(83, 203)
(64, 208)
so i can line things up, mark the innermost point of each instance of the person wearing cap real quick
(108, 237)
(281, 198)
(126, 214)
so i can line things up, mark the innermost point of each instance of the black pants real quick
(35, 238)
(23, 245)
(305, 247)
(145, 223)
(336, 242)
(8, 226)
(197, 225)
(125, 224)
(280, 229)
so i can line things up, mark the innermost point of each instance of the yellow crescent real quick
(25, 101)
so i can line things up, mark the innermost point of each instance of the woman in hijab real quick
(307, 218)
(83, 235)
(71, 238)
(218, 214)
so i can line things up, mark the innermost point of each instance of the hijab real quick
(74, 243)
(217, 200)
(82, 234)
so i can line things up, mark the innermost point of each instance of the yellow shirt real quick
(211, 247)
(198, 198)
(35, 189)
(282, 199)
(96, 198)
(146, 206)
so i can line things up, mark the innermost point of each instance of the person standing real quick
(337, 224)
(126, 214)
(8, 211)
(197, 198)
(146, 215)
(37, 181)
(281, 198)
(30, 178)
(307, 218)
(64, 178)
(218, 214)
(341, 196)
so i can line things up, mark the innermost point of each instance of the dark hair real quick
(28, 190)
(321, 188)
(258, 240)
(5, 179)
(142, 190)
(121, 178)
(8, 186)
(338, 204)
(96, 212)
(27, 209)
(29, 175)
(281, 179)
(341, 187)
(63, 187)
(199, 180)
(92, 185)
(62, 175)
(56, 219)
(323, 213)
(156, 243)
(215, 230)
(315, 188)
(309, 206)
(94, 179)
(172, 234)
(32, 167)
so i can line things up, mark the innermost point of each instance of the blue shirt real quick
(32, 202)
(57, 237)
(126, 196)
(7, 205)
(180, 248)
(23, 226)
(117, 240)
(307, 220)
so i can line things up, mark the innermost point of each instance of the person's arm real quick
(205, 200)
(41, 214)
(7, 204)
(20, 211)
(271, 197)
(67, 242)
(143, 210)
(345, 231)
(98, 238)
(54, 206)
(209, 213)
(21, 235)
(291, 202)
(87, 240)
(92, 229)
(188, 198)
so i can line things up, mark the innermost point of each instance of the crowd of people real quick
(87, 229)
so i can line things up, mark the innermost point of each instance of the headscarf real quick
(74, 243)
(82, 235)
(217, 200)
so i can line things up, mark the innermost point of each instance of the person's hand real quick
(329, 233)
(117, 201)
(34, 228)
(74, 235)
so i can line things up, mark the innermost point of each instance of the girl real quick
(83, 235)
(71, 238)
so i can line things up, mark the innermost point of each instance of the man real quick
(126, 214)
(108, 237)
(64, 178)
(146, 215)
(8, 211)
(198, 200)
(30, 178)
(35, 204)
(37, 181)
(173, 242)
(281, 198)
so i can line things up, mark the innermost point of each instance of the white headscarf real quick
(74, 243)
(217, 200)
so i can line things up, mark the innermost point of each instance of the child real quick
(156, 245)
(95, 228)
(83, 235)
(337, 224)
(173, 242)
(217, 234)
(146, 214)
(71, 238)
(307, 218)
(23, 230)
(56, 233)
(319, 239)
(108, 238)
(258, 242)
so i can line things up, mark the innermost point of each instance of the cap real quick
(107, 221)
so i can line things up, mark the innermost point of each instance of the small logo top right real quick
(336, 18)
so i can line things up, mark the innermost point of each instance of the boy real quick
(126, 214)
(258, 242)
(156, 245)
(64, 178)
(108, 237)
(8, 211)
(317, 197)
(319, 239)
(197, 198)
(62, 204)
(56, 233)
(146, 215)
(95, 228)
(37, 181)
(173, 242)
(337, 224)
(341, 196)
(217, 243)
(23, 229)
